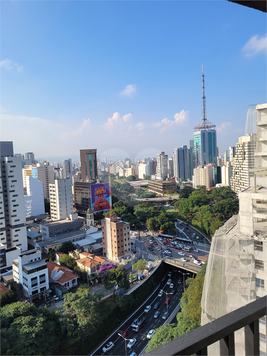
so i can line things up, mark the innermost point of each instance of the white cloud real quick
(8, 64)
(255, 46)
(223, 127)
(84, 127)
(127, 117)
(179, 119)
(116, 121)
(129, 91)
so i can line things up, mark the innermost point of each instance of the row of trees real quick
(207, 210)
(27, 330)
(188, 319)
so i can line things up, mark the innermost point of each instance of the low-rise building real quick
(162, 186)
(90, 263)
(31, 272)
(50, 229)
(61, 277)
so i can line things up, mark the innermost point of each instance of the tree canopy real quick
(208, 210)
(140, 265)
(67, 247)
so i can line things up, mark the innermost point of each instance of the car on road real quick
(165, 315)
(179, 281)
(181, 254)
(150, 333)
(160, 293)
(184, 259)
(108, 346)
(125, 333)
(134, 322)
(173, 291)
(167, 301)
(169, 274)
(55, 297)
(157, 248)
(155, 243)
(156, 315)
(169, 282)
(171, 285)
(148, 307)
(131, 343)
(197, 262)
(156, 305)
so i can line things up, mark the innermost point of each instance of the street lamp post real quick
(125, 342)
(184, 274)
(166, 293)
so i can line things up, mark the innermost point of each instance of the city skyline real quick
(127, 85)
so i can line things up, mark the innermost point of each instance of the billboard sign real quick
(100, 197)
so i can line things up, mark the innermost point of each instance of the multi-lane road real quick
(120, 345)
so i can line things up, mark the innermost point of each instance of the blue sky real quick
(125, 77)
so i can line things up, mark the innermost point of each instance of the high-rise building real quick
(162, 166)
(191, 160)
(67, 168)
(82, 196)
(34, 197)
(205, 140)
(116, 238)
(61, 201)
(143, 170)
(170, 164)
(12, 208)
(243, 162)
(45, 173)
(88, 164)
(180, 163)
(226, 173)
(236, 271)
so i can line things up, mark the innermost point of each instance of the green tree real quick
(168, 228)
(119, 208)
(227, 207)
(190, 316)
(51, 254)
(67, 247)
(7, 298)
(162, 335)
(82, 316)
(67, 261)
(17, 288)
(140, 265)
(131, 276)
(186, 191)
(125, 302)
(152, 224)
(27, 330)
(131, 178)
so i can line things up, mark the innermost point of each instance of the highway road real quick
(151, 322)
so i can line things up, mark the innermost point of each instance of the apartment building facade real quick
(61, 201)
(115, 238)
(32, 273)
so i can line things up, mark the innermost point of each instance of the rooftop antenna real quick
(204, 124)
(203, 99)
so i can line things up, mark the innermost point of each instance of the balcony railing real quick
(222, 330)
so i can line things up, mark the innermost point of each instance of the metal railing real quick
(222, 330)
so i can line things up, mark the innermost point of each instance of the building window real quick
(42, 278)
(258, 245)
(262, 337)
(259, 264)
(259, 283)
(263, 320)
(34, 282)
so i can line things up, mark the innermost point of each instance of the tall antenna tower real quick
(204, 123)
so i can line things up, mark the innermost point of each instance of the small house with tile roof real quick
(61, 277)
(89, 262)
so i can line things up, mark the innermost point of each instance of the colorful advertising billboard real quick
(100, 197)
